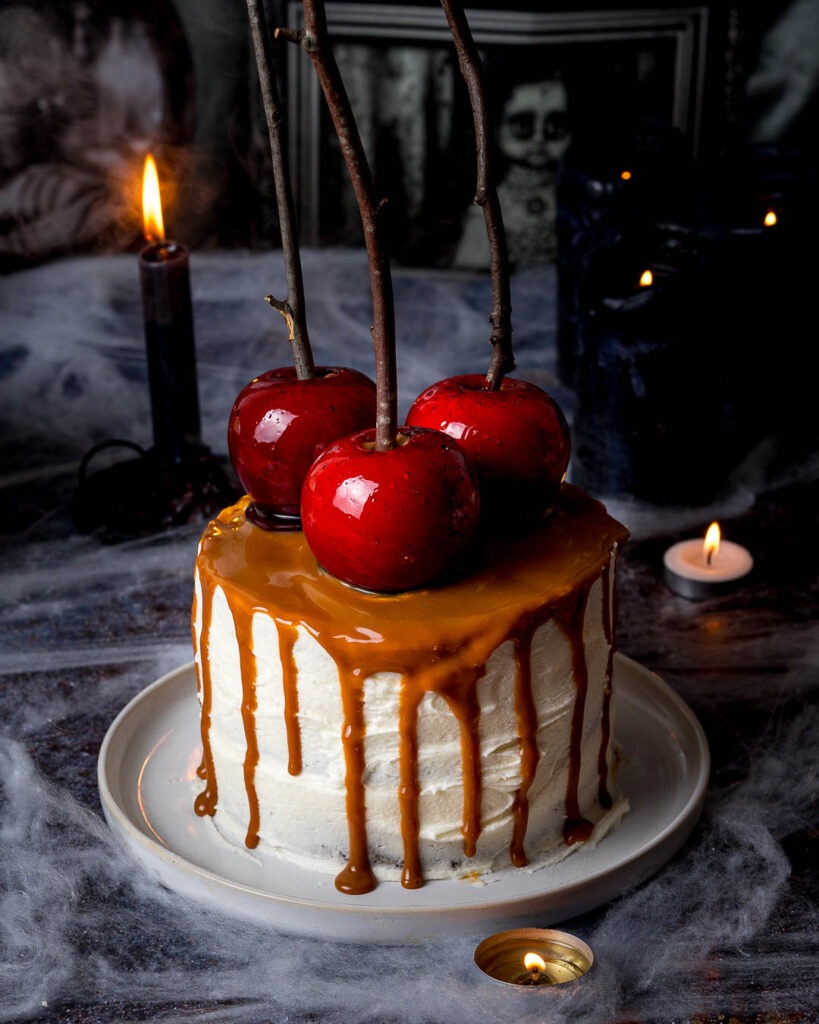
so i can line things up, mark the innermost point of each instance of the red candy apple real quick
(394, 519)
(279, 424)
(516, 437)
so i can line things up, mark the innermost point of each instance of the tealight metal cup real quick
(558, 957)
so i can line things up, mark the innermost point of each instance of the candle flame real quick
(154, 227)
(534, 962)
(710, 546)
(770, 218)
(646, 279)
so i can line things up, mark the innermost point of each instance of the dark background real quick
(73, 124)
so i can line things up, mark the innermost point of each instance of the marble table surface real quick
(726, 930)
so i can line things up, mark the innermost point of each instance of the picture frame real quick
(400, 71)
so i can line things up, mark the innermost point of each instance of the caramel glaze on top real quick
(437, 639)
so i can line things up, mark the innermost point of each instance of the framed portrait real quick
(549, 76)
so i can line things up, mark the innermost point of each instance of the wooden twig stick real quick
(314, 40)
(486, 196)
(293, 307)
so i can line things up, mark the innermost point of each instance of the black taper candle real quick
(171, 351)
(178, 475)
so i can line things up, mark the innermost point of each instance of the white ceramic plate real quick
(151, 750)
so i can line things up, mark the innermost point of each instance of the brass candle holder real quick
(533, 957)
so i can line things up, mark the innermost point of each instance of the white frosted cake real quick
(451, 731)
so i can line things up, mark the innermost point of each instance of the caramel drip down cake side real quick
(436, 705)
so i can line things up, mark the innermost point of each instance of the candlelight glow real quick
(625, 175)
(534, 962)
(646, 279)
(770, 219)
(710, 546)
(154, 227)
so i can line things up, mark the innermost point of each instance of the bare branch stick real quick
(486, 196)
(293, 308)
(315, 42)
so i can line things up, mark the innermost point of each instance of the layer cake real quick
(452, 731)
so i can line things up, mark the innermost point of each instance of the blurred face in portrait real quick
(533, 129)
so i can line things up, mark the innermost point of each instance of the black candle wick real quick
(166, 249)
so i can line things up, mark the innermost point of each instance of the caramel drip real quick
(243, 626)
(603, 794)
(526, 713)
(287, 641)
(576, 828)
(463, 702)
(408, 791)
(357, 877)
(205, 802)
(201, 770)
(195, 642)
(436, 640)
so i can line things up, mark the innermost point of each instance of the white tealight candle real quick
(705, 568)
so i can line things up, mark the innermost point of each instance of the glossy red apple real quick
(391, 520)
(516, 437)
(279, 424)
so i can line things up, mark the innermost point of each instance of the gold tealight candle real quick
(533, 957)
